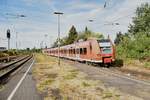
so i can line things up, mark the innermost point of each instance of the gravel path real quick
(124, 85)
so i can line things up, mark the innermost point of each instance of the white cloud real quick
(31, 31)
(32, 2)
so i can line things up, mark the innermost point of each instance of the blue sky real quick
(40, 19)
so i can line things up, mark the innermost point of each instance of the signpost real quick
(8, 37)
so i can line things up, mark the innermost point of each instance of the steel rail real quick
(7, 65)
(7, 58)
(18, 64)
(107, 71)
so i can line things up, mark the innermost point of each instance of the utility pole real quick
(16, 40)
(58, 13)
(45, 38)
(8, 37)
(91, 21)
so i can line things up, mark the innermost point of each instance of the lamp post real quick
(16, 40)
(90, 21)
(58, 13)
(45, 36)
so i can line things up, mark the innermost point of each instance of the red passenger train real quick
(93, 50)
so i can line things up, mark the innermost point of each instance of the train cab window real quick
(105, 46)
(84, 51)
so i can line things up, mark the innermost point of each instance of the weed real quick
(42, 86)
(85, 84)
(107, 95)
(147, 65)
(72, 74)
(1, 87)
(52, 75)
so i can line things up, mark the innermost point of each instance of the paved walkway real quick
(26, 90)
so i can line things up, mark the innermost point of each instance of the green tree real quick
(72, 35)
(119, 38)
(141, 23)
(55, 44)
(87, 34)
(135, 43)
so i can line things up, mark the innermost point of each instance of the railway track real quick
(8, 69)
(112, 78)
(123, 76)
(7, 59)
(118, 72)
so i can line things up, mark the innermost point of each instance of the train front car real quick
(107, 51)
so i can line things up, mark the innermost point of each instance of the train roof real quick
(104, 40)
(81, 43)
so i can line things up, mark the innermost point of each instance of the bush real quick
(3, 54)
(137, 48)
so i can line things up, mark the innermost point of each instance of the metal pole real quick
(58, 39)
(16, 40)
(8, 43)
(58, 13)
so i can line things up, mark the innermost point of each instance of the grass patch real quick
(147, 65)
(71, 75)
(107, 95)
(66, 82)
(85, 84)
(1, 87)
(44, 84)
(51, 75)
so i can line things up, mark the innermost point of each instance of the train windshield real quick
(105, 46)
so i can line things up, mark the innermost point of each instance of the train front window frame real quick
(105, 46)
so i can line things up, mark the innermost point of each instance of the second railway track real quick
(111, 78)
(7, 69)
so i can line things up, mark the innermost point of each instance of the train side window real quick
(84, 51)
(69, 51)
(77, 51)
(81, 51)
(73, 51)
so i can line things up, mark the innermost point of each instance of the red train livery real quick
(93, 50)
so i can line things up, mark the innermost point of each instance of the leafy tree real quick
(72, 35)
(68, 39)
(89, 34)
(141, 23)
(119, 38)
(135, 43)
(55, 44)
